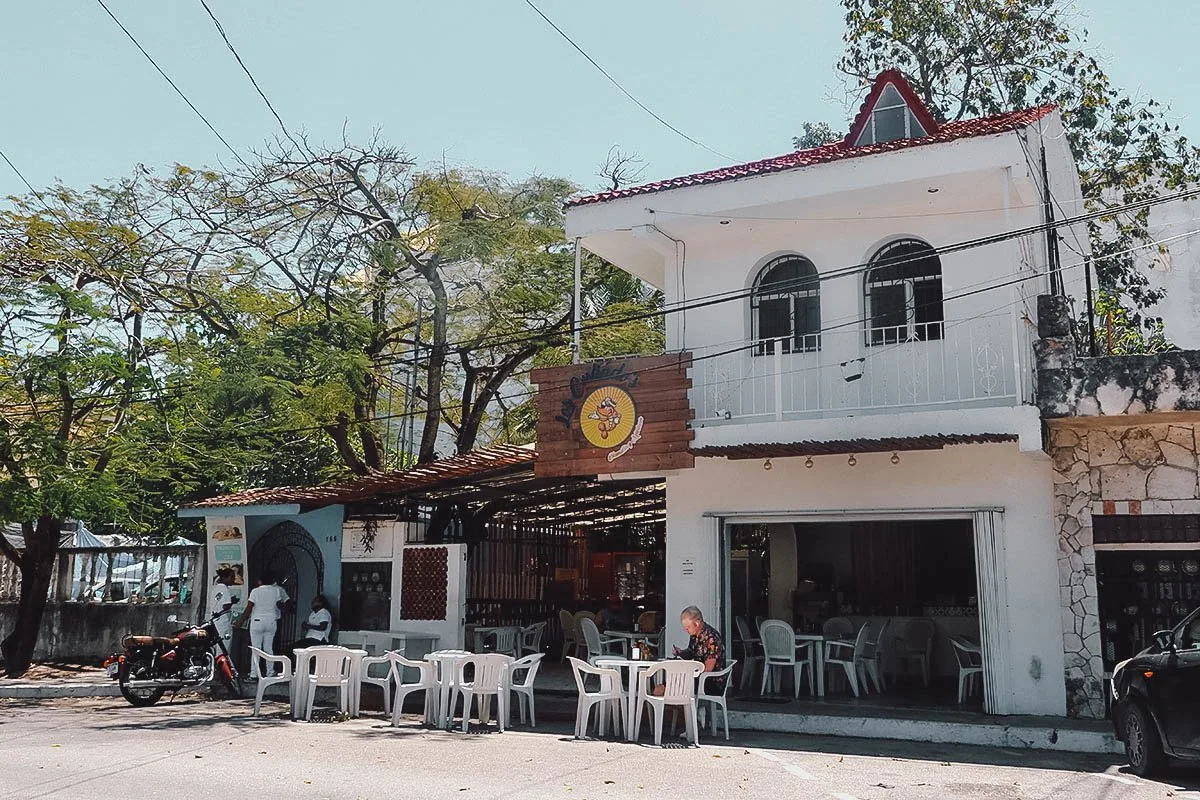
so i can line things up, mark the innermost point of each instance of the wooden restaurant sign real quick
(620, 415)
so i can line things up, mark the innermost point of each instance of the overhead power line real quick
(167, 78)
(245, 69)
(622, 89)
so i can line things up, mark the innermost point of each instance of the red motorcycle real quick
(190, 658)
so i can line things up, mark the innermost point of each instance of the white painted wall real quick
(973, 476)
(1177, 270)
(451, 629)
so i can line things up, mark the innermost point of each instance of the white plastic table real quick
(446, 662)
(300, 679)
(818, 645)
(634, 668)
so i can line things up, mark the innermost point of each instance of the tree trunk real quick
(37, 562)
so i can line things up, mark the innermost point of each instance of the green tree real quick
(815, 134)
(968, 58)
(78, 351)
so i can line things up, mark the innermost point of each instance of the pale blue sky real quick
(484, 82)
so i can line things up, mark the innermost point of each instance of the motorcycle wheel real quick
(230, 684)
(140, 697)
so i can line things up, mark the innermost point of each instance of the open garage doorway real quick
(893, 602)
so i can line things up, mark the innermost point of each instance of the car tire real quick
(1143, 746)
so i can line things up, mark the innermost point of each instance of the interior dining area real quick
(866, 612)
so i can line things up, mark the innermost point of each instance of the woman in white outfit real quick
(263, 609)
(221, 600)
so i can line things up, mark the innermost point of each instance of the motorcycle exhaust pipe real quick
(156, 684)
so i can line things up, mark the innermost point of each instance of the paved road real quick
(192, 749)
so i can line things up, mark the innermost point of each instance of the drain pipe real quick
(577, 309)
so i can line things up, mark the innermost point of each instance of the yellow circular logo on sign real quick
(607, 417)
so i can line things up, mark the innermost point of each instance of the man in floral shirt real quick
(705, 644)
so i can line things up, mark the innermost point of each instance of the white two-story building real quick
(861, 327)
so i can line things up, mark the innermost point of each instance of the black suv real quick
(1156, 699)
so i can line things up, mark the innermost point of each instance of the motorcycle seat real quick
(147, 641)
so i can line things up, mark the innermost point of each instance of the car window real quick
(1189, 637)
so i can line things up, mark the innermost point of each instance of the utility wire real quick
(623, 90)
(167, 78)
(245, 69)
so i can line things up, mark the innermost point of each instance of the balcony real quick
(968, 363)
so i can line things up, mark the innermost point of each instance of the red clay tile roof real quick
(475, 465)
(844, 446)
(838, 151)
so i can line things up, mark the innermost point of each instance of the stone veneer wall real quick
(1117, 468)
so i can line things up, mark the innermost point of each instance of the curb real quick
(1017, 737)
(36, 691)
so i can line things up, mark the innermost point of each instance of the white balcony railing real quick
(968, 363)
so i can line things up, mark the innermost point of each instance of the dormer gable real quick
(892, 111)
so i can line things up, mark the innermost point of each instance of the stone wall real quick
(1110, 469)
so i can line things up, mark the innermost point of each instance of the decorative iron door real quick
(1141, 592)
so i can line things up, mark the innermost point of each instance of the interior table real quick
(631, 636)
(633, 668)
(480, 634)
(817, 641)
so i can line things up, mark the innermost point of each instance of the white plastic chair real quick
(580, 642)
(750, 646)
(970, 665)
(330, 666)
(870, 664)
(505, 641)
(837, 628)
(384, 682)
(488, 681)
(284, 676)
(712, 702)
(917, 645)
(609, 696)
(779, 651)
(679, 682)
(570, 632)
(520, 676)
(530, 639)
(599, 646)
(847, 655)
(426, 682)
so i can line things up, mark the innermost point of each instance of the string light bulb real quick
(808, 462)
(852, 460)
(767, 465)
(895, 458)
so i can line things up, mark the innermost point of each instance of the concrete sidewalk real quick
(48, 681)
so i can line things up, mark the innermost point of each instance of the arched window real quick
(785, 306)
(904, 293)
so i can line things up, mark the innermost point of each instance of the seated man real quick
(704, 645)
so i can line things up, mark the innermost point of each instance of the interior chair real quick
(399, 669)
(646, 622)
(609, 697)
(570, 632)
(384, 682)
(750, 651)
(284, 676)
(837, 628)
(598, 646)
(870, 664)
(487, 681)
(330, 666)
(970, 665)
(530, 639)
(679, 689)
(580, 643)
(917, 645)
(520, 676)
(847, 655)
(504, 640)
(709, 699)
(781, 650)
